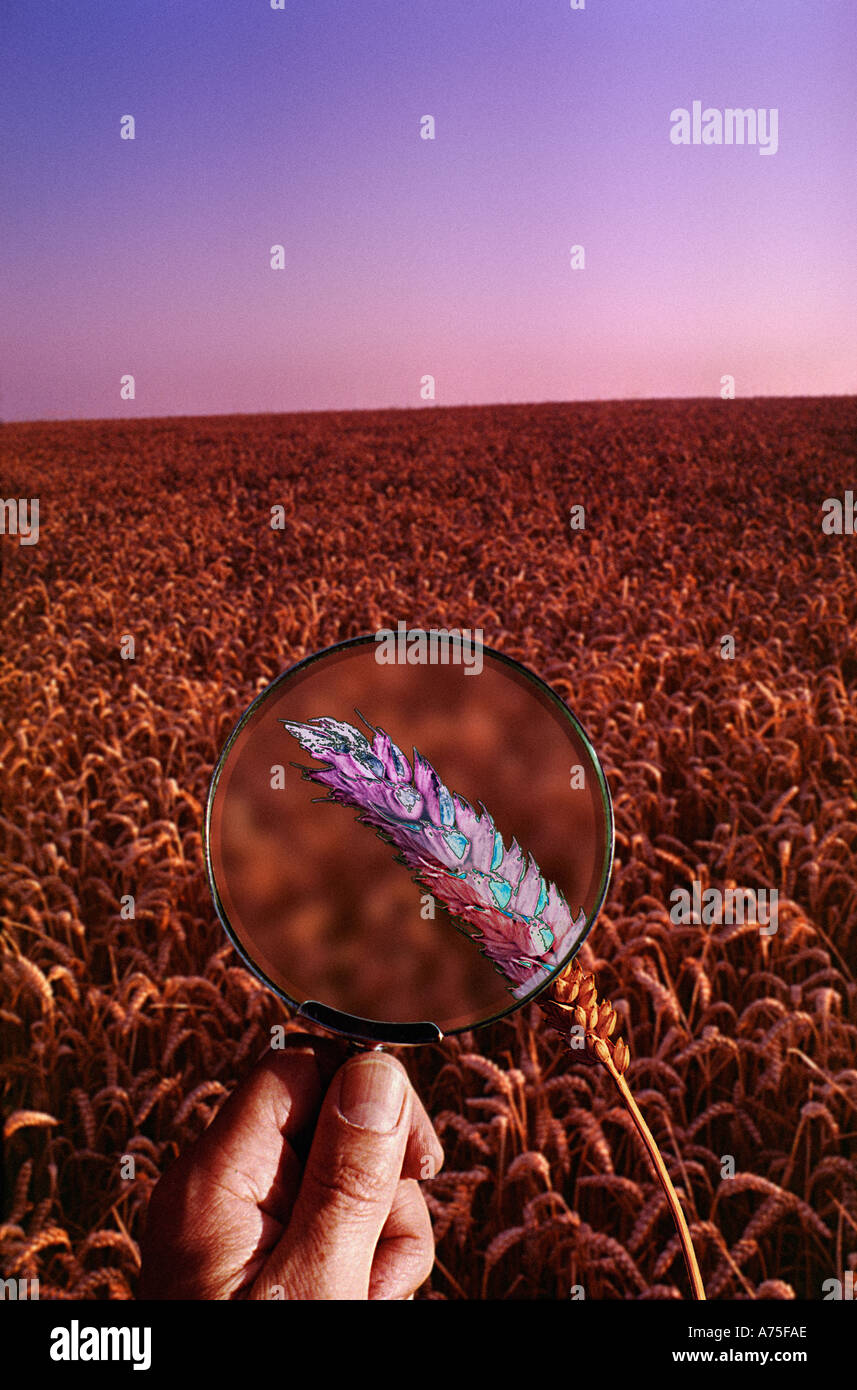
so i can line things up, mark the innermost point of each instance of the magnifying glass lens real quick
(407, 850)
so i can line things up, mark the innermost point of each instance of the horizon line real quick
(416, 409)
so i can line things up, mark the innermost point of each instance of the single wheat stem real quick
(665, 1180)
(573, 1009)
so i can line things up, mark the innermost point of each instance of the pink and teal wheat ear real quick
(496, 893)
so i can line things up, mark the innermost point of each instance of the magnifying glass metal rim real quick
(365, 1029)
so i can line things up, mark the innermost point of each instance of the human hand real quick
(304, 1186)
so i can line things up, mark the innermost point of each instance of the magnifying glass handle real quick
(366, 1032)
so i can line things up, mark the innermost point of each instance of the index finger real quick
(424, 1153)
(280, 1100)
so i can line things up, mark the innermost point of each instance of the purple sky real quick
(404, 256)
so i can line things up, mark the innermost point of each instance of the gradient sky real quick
(405, 256)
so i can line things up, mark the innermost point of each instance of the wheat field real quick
(121, 1037)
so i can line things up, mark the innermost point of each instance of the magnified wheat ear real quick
(495, 893)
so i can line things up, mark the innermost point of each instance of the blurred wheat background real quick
(122, 1037)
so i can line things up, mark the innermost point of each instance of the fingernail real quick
(372, 1094)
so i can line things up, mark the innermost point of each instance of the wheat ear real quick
(571, 1004)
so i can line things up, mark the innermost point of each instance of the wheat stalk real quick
(573, 1009)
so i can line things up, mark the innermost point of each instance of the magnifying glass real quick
(406, 840)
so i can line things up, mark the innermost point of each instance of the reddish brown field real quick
(702, 519)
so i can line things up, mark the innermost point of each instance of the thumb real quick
(349, 1183)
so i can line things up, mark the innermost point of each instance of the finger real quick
(424, 1155)
(330, 1051)
(405, 1254)
(349, 1183)
(278, 1100)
